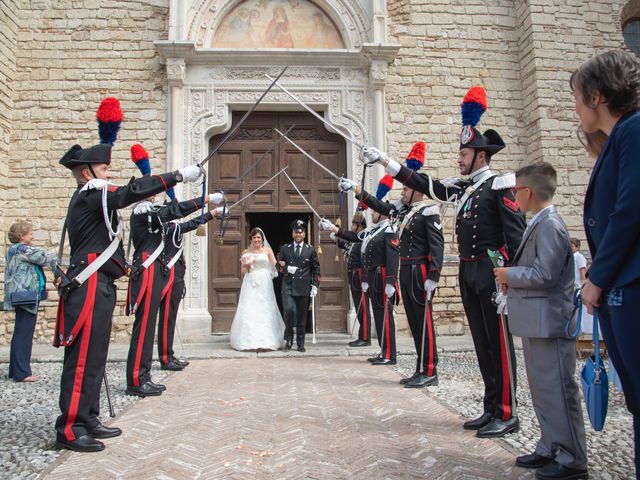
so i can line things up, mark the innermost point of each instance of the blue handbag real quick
(595, 383)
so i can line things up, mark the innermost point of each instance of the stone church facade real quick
(384, 73)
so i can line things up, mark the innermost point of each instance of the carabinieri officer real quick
(487, 218)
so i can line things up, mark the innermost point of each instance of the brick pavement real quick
(302, 418)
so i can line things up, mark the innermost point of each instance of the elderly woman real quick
(24, 274)
(607, 99)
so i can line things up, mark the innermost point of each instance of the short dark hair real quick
(615, 75)
(575, 242)
(541, 177)
(19, 230)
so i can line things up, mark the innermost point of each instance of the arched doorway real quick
(275, 206)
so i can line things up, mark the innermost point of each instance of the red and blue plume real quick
(109, 116)
(141, 158)
(415, 160)
(473, 105)
(384, 185)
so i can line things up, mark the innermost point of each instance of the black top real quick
(381, 249)
(85, 220)
(173, 235)
(421, 238)
(489, 219)
(147, 228)
(308, 272)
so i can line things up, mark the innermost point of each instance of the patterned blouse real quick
(24, 272)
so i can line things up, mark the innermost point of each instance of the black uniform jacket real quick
(85, 221)
(147, 228)
(308, 273)
(421, 238)
(380, 251)
(490, 218)
(173, 236)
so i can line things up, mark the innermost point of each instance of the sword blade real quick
(309, 156)
(302, 197)
(315, 114)
(242, 120)
(258, 188)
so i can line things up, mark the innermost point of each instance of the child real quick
(540, 287)
(580, 263)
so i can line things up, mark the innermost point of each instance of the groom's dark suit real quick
(296, 287)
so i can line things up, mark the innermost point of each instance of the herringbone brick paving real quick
(298, 418)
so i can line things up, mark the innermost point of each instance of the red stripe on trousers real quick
(506, 379)
(166, 294)
(363, 309)
(86, 314)
(428, 324)
(387, 333)
(143, 326)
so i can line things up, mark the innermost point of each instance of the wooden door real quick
(275, 205)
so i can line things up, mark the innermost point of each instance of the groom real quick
(300, 268)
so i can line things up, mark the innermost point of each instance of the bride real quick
(257, 324)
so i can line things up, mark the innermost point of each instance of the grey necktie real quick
(297, 251)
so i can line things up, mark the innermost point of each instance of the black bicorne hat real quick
(298, 226)
(77, 156)
(490, 142)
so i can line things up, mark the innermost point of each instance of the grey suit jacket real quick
(540, 298)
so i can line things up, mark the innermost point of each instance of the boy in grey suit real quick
(540, 291)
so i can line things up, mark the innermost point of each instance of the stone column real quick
(377, 80)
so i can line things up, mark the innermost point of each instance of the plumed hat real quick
(384, 185)
(298, 226)
(77, 156)
(109, 117)
(472, 107)
(415, 159)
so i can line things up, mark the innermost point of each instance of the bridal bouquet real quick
(247, 259)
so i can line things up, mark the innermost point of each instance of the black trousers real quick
(172, 295)
(85, 359)
(491, 338)
(383, 314)
(295, 310)
(21, 343)
(361, 302)
(414, 299)
(140, 354)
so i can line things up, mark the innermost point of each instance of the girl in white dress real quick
(257, 324)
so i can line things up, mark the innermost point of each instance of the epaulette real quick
(508, 180)
(145, 206)
(95, 184)
(431, 210)
(391, 229)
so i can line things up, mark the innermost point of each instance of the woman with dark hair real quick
(607, 98)
(24, 275)
(257, 324)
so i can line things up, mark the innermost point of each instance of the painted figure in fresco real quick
(277, 34)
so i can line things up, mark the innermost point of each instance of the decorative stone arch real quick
(348, 16)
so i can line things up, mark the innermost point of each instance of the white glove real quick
(190, 173)
(430, 286)
(389, 290)
(365, 286)
(222, 211)
(501, 302)
(291, 269)
(372, 155)
(314, 291)
(346, 184)
(216, 198)
(325, 224)
(332, 236)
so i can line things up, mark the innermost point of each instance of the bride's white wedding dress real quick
(257, 323)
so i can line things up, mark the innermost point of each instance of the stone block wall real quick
(69, 55)
(522, 52)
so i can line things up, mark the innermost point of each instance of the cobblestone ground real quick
(28, 411)
(460, 387)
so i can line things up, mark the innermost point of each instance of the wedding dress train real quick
(257, 324)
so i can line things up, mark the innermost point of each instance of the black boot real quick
(499, 428)
(478, 423)
(100, 431)
(422, 380)
(85, 443)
